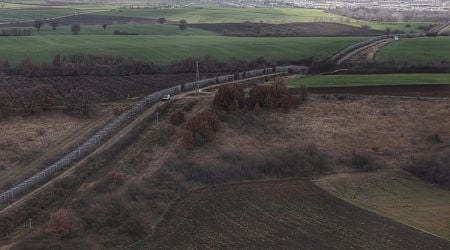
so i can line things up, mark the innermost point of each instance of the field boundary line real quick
(116, 128)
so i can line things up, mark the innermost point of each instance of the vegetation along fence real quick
(93, 142)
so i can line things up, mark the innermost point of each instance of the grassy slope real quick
(165, 49)
(32, 14)
(416, 51)
(370, 80)
(271, 15)
(396, 195)
(141, 29)
(283, 214)
(221, 15)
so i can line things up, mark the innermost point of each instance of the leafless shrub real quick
(200, 129)
(230, 98)
(61, 224)
(177, 117)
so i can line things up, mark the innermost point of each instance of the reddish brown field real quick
(288, 29)
(107, 88)
(280, 214)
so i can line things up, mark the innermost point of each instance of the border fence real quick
(342, 53)
(113, 126)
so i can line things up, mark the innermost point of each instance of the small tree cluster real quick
(162, 20)
(38, 24)
(182, 25)
(61, 224)
(276, 95)
(6, 106)
(79, 101)
(118, 178)
(200, 129)
(39, 98)
(232, 97)
(177, 117)
(433, 169)
(76, 28)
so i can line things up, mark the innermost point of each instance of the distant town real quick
(430, 5)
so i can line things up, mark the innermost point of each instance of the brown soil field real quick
(289, 29)
(432, 90)
(281, 214)
(90, 19)
(111, 88)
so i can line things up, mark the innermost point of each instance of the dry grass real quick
(24, 137)
(389, 130)
(396, 195)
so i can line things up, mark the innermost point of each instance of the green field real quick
(15, 15)
(225, 15)
(416, 51)
(141, 29)
(166, 49)
(396, 195)
(267, 15)
(18, 12)
(370, 80)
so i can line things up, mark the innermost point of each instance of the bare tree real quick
(183, 25)
(38, 24)
(40, 97)
(79, 101)
(388, 31)
(5, 104)
(54, 24)
(76, 28)
(162, 20)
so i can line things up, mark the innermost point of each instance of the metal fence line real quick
(113, 126)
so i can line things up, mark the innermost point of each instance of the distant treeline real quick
(15, 32)
(386, 15)
(109, 65)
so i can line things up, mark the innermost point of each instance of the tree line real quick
(43, 97)
(110, 65)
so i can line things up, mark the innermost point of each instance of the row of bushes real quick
(434, 169)
(200, 129)
(42, 97)
(110, 65)
(15, 32)
(292, 162)
(232, 98)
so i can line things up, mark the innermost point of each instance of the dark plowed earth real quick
(288, 29)
(437, 90)
(294, 214)
(104, 88)
(91, 19)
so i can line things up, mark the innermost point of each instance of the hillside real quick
(424, 51)
(280, 214)
(397, 195)
(238, 179)
(167, 49)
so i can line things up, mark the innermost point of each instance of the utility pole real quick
(198, 79)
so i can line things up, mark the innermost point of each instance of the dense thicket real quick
(110, 65)
(232, 98)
